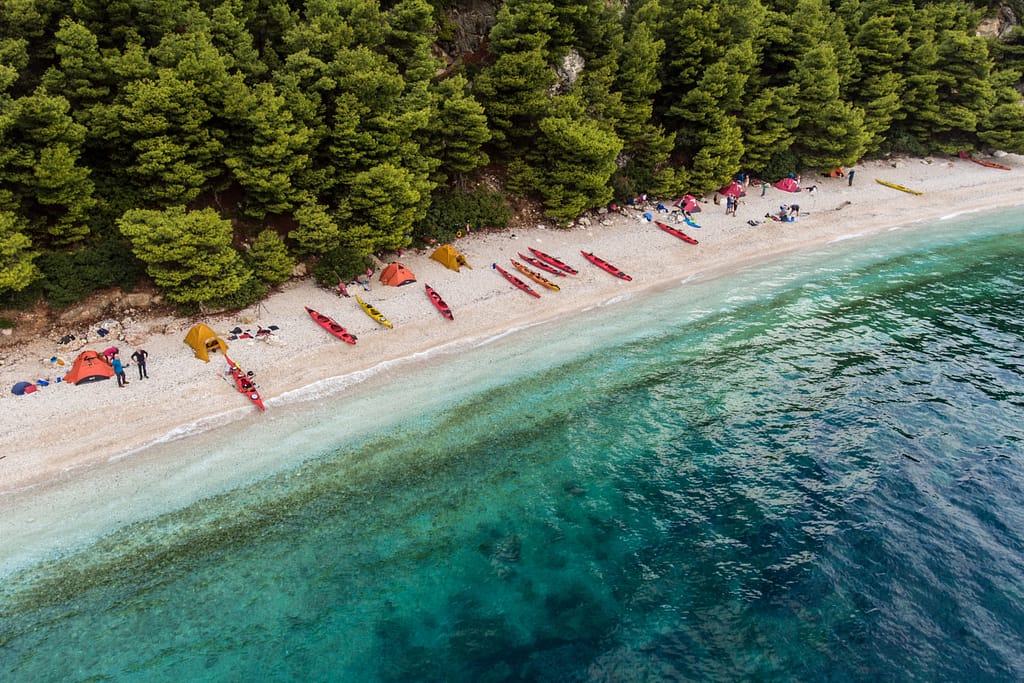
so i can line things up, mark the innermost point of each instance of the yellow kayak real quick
(894, 186)
(374, 313)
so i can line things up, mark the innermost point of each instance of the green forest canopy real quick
(210, 144)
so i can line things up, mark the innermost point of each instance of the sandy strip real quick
(52, 434)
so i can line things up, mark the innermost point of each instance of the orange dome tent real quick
(397, 275)
(89, 367)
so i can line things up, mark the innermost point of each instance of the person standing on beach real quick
(140, 362)
(849, 177)
(115, 363)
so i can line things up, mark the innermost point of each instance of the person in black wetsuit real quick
(139, 357)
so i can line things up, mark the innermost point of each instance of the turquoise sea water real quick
(810, 470)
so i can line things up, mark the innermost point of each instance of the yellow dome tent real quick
(203, 340)
(450, 257)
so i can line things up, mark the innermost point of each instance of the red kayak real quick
(243, 383)
(604, 265)
(537, 263)
(514, 280)
(675, 232)
(991, 164)
(436, 299)
(551, 260)
(533, 275)
(331, 326)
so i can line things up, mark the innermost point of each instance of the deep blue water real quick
(812, 470)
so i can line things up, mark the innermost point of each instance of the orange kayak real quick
(535, 276)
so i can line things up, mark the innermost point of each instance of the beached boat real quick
(243, 383)
(533, 275)
(675, 232)
(964, 154)
(604, 265)
(374, 313)
(515, 281)
(331, 326)
(551, 260)
(991, 164)
(689, 221)
(438, 302)
(894, 186)
(537, 263)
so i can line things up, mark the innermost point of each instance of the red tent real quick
(788, 184)
(688, 204)
(733, 189)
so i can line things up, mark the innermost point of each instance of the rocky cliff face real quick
(472, 20)
(1000, 24)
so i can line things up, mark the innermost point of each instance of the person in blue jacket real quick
(115, 363)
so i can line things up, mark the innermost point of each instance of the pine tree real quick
(410, 28)
(571, 165)
(921, 100)
(718, 159)
(769, 124)
(831, 132)
(64, 193)
(13, 60)
(17, 267)
(309, 92)
(966, 89)
(1002, 127)
(81, 74)
(950, 90)
(880, 45)
(130, 19)
(514, 94)
(131, 64)
(380, 208)
(708, 131)
(689, 29)
(317, 231)
(458, 128)
(187, 253)
(167, 154)
(637, 81)
(276, 155)
(232, 38)
(522, 26)
(269, 260)
(40, 165)
(514, 89)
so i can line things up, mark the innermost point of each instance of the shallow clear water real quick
(811, 470)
